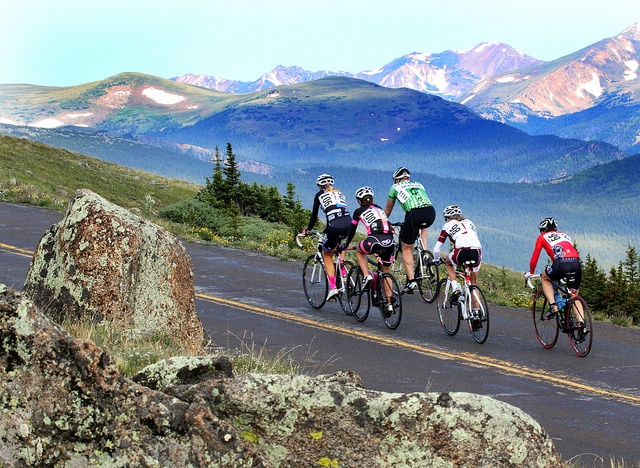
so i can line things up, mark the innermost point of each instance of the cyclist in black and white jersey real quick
(419, 215)
(334, 205)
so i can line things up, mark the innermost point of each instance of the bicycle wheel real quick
(397, 267)
(315, 282)
(580, 329)
(355, 294)
(546, 327)
(358, 299)
(388, 284)
(341, 284)
(449, 315)
(479, 326)
(427, 276)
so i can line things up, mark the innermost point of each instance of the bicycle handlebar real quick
(308, 233)
(529, 283)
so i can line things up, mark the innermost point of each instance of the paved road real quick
(589, 406)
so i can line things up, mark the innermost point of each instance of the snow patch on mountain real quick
(631, 73)
(47, 123)
(593, 87)
(161, 96)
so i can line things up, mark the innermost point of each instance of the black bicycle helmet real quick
(548, 224)
(400, 173)
(324, 179)
(364, 192)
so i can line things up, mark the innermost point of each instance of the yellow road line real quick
(16, 250)
(470, 358)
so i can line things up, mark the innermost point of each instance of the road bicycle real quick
(314, 277)
(383, 292)
(470, 306)
(426, 271)
(573, 316)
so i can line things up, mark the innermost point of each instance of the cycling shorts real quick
(334, 236)
(414, 220)
(380, 244)
(563, 266)
(460, 256)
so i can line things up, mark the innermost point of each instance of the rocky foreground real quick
(63, 402)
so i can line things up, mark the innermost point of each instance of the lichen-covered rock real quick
(103, 261)
(63, 403)
(303, 421)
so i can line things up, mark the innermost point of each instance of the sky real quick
(72, 42)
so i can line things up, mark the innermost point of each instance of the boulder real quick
(101, 261)
(63, 403)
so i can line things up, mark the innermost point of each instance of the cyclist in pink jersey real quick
(565, 259)
(379, 233)
(466, 247)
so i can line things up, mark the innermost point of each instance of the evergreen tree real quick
(210, 193)
(231, 176)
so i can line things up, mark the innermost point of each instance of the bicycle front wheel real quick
(390, 300)
(427, 276)
(357, 298)
(397, 267)
(580, 329)
(449, 314)
(315, 282)
(546, 327)
(479, 318)
(341, 284)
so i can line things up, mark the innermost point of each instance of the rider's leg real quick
(362, 261)
(329, 267)
(547, 288)
(424, 237)
(407, 260)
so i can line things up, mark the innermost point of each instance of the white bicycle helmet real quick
(364, 192)
(400, 173)
(452, 210)
(548, 224)
(324, 179)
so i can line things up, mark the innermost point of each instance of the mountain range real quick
(499, 159)
(572, 96)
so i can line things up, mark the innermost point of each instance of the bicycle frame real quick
(426, 273)
(314, 276)
(451, 314)
(573, 319)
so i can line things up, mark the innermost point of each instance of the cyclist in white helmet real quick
(419, 215)
(333, 203)
(379, 232)
(466, 247)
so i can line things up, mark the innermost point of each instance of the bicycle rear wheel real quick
(315, 282)
(340, 279)
(427, 276)
(393, 315)
(449, 315)
(479, 326)
(580, 331)
(397, 267)
(358, 299)
(546, 327)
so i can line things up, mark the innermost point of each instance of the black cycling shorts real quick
(381, 244)
(415, 220)
(563, 266)
(335, 236)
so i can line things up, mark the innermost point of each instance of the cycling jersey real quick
(557, 245)
(373, 218)
(462, 234)
(409, 194)
(334, 205)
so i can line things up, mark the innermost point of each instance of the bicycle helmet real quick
(324, 179)
(400, 173)
(452, 210)
(363, 192)
(548, 224)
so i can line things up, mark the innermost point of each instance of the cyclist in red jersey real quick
(565, 259)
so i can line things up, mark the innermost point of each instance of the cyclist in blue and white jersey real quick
(419, 215)
(333, 203)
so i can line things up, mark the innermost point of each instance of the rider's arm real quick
(314, 211)
(389, 206)
(352, 231)
(536, 254)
